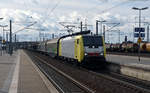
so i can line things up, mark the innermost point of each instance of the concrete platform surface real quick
(18, 74)
(130, 66)
(129, 60)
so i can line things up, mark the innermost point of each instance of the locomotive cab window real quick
(93, 41)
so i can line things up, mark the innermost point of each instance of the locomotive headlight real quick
(85, 54)
(102, 54)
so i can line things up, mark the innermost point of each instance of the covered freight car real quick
(145, 47)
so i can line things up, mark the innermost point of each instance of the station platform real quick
(129, 60)
(18, 74)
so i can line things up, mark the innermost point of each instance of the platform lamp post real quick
(148, 33)
(3, 26)
(3, 39)
(10, 39)
(6, 39)
(1, 44)
(140, 9)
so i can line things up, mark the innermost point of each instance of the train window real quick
(77, 41)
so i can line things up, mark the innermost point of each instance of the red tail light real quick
(93, 54)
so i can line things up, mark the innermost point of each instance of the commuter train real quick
(79, 47)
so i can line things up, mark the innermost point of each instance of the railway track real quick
(125, 81)
(87, 81)
(63, 82)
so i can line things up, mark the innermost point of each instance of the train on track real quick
(80, 47)
(128, 47)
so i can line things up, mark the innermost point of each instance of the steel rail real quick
(82, 86)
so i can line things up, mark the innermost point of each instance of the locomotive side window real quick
(77, 41)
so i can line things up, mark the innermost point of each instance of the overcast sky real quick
(48, 14)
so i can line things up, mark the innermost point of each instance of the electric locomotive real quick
(81, 47)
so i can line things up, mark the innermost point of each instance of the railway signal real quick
(3, 41)
(139, 40)
(139, 32)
